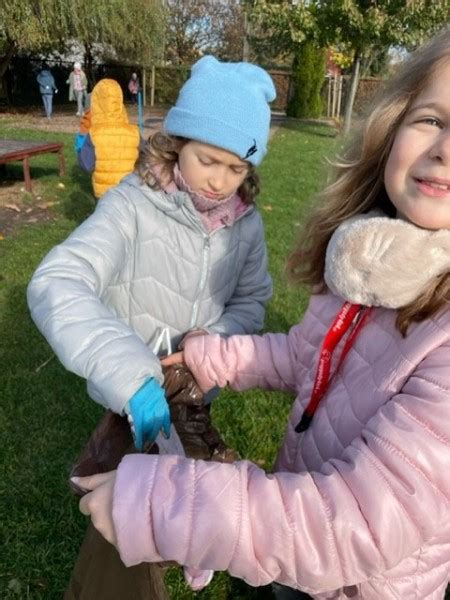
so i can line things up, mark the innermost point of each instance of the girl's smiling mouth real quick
(435, 187)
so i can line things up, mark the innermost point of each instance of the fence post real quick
(339, 91)
(140, 114)
(144, 86)
(333, 110)
(152, 93)
(329, 97)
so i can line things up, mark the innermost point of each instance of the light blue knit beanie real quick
(225, 105)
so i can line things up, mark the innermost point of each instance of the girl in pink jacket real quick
(358, 505)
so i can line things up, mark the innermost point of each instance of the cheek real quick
(238, 180)
(189, 171)
(395, 165)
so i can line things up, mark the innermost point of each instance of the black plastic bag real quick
(112, 438)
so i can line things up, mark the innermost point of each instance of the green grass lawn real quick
(46, 415)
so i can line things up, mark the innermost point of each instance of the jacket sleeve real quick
(361, 515)
(244, 361)
(244, 312)
(65, 299)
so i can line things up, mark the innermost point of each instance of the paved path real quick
(66, 121)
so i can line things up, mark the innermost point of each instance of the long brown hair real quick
(357, 184)
(156, 163)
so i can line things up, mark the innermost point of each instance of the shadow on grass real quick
(13, 172)
(80, 203)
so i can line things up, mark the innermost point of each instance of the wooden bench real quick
(14, 150)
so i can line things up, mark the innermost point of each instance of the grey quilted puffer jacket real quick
(143, 261)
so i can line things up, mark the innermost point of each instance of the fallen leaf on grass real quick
(13, 207)
(45, 205)
(42, 365)
(267, 207)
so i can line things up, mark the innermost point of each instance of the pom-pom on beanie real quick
(225, 105)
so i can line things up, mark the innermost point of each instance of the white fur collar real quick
(377, 261)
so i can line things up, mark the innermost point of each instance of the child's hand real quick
(98, 503)
(197, 579)
(177, 358)
(148, 413)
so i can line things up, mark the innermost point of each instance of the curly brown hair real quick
(156, 162)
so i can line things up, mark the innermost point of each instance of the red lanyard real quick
(350, 314)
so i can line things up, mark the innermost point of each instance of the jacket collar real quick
(176, 203)
(374, 260)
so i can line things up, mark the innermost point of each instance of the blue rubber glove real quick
(149, 413)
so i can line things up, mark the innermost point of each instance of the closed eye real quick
(206, 162)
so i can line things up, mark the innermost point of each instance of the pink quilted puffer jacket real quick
(359, 505)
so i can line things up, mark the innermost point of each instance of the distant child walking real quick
(177, 245)
(47, 88)
(78, 83)
(134, 88)
(359, 503)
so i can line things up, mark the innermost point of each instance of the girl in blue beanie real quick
(176, 246)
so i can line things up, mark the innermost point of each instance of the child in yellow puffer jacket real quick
(111, 146)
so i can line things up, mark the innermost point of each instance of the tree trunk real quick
(6, 58)
(4, 64)
(89, 64)
(353, 86)
(245, 44)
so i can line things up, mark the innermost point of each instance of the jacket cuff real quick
(191, 334)
(132, 513)
(198, 363)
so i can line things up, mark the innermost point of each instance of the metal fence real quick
(160, 84)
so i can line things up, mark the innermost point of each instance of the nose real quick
(217, 179)
(441, 148)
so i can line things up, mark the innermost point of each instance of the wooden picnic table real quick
(13, 150)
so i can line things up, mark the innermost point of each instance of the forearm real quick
(88, 339)
(242, 362)
(65, 300)
(318, 531)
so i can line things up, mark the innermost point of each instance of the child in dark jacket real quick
(47, 88)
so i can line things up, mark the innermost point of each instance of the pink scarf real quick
(214, 214)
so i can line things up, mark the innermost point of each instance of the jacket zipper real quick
(205, 257)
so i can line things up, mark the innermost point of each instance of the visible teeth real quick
(438, 186)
